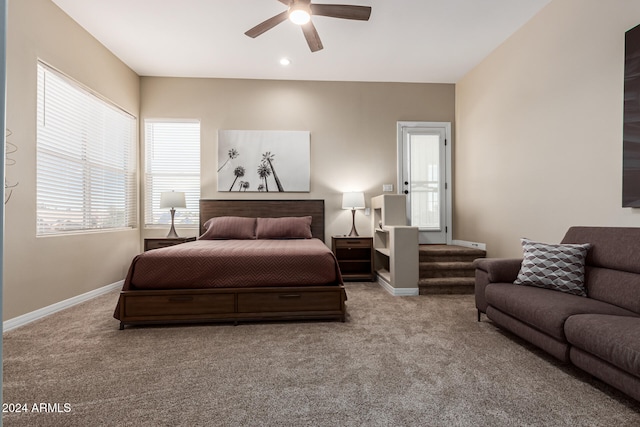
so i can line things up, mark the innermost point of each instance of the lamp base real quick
(172, 232)
(354, 232)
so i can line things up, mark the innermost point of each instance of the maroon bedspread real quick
(234, 263)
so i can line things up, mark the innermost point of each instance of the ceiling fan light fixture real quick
(299, 13)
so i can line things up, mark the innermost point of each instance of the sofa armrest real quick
(499, 270)
(493, 270)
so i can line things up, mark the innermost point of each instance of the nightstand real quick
(163, 242)
(355, 257)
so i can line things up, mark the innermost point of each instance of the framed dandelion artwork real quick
(263, 161)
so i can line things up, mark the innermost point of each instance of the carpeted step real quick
(446, 269)
(449, 253)
(447, 285)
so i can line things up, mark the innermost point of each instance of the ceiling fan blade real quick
(311, 34)
(360, 13)
(268, 24)
(285, 2)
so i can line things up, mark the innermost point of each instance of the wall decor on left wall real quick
(10, 148)
(264, 161)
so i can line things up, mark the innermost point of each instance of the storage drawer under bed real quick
(238, 304)
(178, 303)
(264, 302)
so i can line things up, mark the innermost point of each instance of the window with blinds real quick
(172, 163)
(86, 159)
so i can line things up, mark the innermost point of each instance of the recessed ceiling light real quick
(285, 61)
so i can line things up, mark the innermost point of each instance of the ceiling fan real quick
(300, 12)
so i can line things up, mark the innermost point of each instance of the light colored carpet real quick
(397, 361)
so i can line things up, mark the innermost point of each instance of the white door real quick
(424, 176)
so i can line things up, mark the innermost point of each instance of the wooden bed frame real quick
(139, 307)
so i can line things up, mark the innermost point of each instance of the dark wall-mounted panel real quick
(631, 144)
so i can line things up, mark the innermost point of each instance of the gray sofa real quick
(599, 333)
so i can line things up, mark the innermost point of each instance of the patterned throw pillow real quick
(558, 267)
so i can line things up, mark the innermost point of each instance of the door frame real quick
(448, 190)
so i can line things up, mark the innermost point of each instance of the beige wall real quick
(353, 129)
(537, 147)
(539, 129)
(42, 271)
(353, 144)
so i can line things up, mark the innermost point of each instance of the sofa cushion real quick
(557, 348)
(616, 287)
(558, 267)
(544, 309)
(615, 248)
(612, 265)
(615, 339)
(607, 372)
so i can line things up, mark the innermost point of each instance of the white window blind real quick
(86, 159)
(172, 162)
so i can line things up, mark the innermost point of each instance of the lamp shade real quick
(353, 200)
(172, 199)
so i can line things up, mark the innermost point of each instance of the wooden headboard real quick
(210, 208)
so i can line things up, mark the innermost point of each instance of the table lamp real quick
(172, 199)
(353, 200)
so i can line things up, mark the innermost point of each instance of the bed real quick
(229, 276)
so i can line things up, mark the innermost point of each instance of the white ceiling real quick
(436, 41)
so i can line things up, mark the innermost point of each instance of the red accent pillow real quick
(229, 227)
(284, 228)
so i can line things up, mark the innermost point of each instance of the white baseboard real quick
(16, 322)
(397, 292)
(473, 245)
